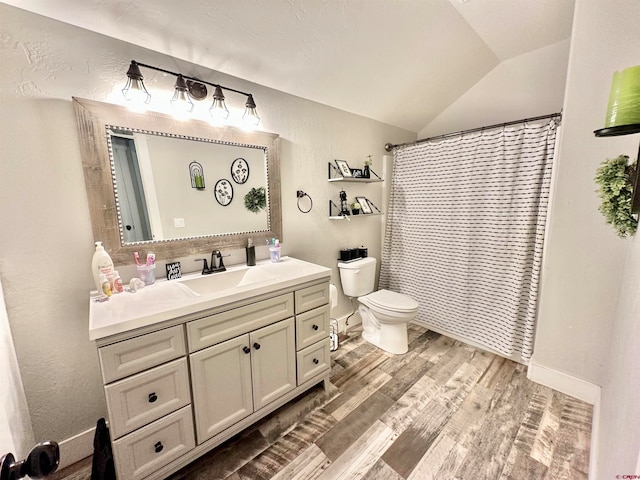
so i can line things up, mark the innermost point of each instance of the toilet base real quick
(391, 338)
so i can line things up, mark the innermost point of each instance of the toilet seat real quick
(389, 301)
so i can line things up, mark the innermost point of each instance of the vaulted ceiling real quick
(398, 61)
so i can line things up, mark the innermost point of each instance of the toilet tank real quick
(358, 278)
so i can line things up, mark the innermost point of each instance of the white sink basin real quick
(217, 282)
(194, 293)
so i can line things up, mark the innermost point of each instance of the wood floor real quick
(444, 410)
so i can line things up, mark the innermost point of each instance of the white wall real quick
(590, 308)
(46, 242)
(16, 435)
(521, 87)
(584, 257)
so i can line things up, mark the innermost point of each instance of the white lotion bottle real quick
(101, 263)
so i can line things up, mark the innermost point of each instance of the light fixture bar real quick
(186, 77)
(187, 87)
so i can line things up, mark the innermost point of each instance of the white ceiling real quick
(398, 61)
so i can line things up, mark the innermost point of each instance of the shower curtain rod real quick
(389, 146)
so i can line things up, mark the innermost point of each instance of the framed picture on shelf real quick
(343, 168)
(357, 173)
(364, 205)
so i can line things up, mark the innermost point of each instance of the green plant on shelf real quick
(614, 179)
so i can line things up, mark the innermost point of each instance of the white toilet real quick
(384, 314)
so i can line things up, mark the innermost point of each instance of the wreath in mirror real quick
(256, 199)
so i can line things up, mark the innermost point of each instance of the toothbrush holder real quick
(275, 254)
(147, 273)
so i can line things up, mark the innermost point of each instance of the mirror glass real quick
(175, 187)
(168, 188)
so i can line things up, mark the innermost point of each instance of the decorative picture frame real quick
(196, 173)
(223, 192)
(364, 205)
(240, 171)
(357, 173)
(343, 168)
(173, 270)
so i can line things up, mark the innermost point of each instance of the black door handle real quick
(158, 447)
(316, 361)
(256, 346)
(315, 327)
(153, 397)
(246, 349)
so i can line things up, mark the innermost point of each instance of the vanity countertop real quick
(165, 300)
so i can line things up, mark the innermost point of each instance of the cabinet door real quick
(221, 382)
(273, 362)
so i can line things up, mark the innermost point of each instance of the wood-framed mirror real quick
(157, 204)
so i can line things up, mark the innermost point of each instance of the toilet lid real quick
(392, 301)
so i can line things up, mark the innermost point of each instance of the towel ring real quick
(300, 194)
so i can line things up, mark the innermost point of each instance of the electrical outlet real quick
(178, 222)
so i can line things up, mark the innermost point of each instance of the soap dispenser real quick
(251, 253)
(101, 263)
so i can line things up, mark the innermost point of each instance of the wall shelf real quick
(349, 217)
(355, 180)
(335, 176)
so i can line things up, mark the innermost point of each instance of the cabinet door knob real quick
(315, 327)
(256, 346)
(153, 397)
(246, 349)
(316, 361)
(158, 447)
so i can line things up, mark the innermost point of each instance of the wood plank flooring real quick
(444, 411)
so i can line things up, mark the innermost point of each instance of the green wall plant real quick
(614, 179)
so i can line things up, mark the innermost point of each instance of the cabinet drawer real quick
(312, 297)
(147, 396)
(312, 326)
(223, 326)
(140, 353)
(313, 360)
(144, 451)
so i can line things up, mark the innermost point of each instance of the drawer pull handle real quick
(246, 349)
(316, 361)
(158, 447)
(315, 327)
(153, 397)
(256, 346)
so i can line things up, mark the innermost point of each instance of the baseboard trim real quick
(563, 382)
(595, 438)
(76, 448)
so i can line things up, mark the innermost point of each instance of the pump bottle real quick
(251, 253)
(101, 263)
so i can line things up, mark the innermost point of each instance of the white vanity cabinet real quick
(233, 379)
(178, 389)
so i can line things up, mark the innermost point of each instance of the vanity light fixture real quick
(250, 116)
(181, 102)
(188, 89)
(135, 91)
(219, 110)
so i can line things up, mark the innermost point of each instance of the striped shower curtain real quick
(465, 230)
